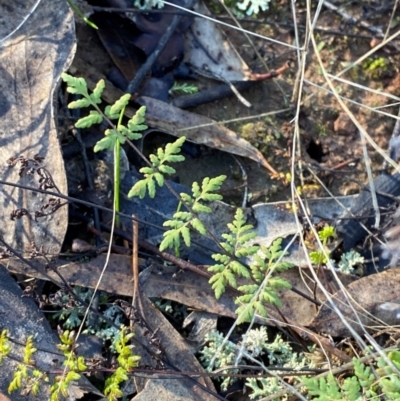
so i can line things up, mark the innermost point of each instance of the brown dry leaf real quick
(31, 61)
(373, 299)
(179, 357)
(169, 283)
(210, 53)
(299, 309)
(184, 287)
(199, 129)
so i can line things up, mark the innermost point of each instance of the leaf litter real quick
(326, 323)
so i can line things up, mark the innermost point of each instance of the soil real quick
(328, 138)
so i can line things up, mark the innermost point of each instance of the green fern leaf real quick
(76, 86)
(103, 144)
(139, 189)
(239, 269)
(200, 208)
(171, 238)
(248, 289)
(218, 285)
(175, 158)
(147, 170)
(166, 169)
(138, 119)
(198, 226)
(151, 187)
(211, 197)
(245, 313)
(159, 178)
(218, 268)
(230, 278)
(98, 91)
(93, 118)
(196, 190)
(246, 251)
(184, 216)
(79, 104)
(155, 161)
(120, 104)
(186, 198)
(185, 232)
(107, 112)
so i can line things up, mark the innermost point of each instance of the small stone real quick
(343, 125)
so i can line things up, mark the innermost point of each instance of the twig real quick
(136, 301)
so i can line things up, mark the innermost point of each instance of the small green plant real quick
(127, 362)
(350, 262)
(156, 172)
(374, 67)
(358, 387)
(229, 268)
(117, 134)
(185, 89)
(318, 257)
(265, 284)
(5, 347)
(25, 376)
(183, 220)
(28, 379)
(72, 313)
(74, 364)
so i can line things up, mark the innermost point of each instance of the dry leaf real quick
(32, 60)
(371, 297)
(179, 357)
(210, 53)
(199, 129)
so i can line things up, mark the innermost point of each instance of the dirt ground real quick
(330, 143)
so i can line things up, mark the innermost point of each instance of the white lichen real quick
(253, 6)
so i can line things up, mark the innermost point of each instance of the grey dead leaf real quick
(209, 51)
(372, 298)
(31, 60)
(169, 389)
(204, 323)
(22, 318)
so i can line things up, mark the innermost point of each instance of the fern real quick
(5, 347)
(114, 136)
(155, 173)
(228, 268)
(265, 290)
(362, 385)
(73, 363)
(184, 220)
